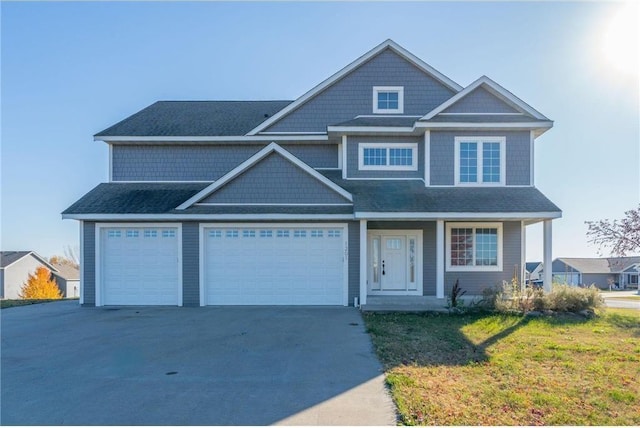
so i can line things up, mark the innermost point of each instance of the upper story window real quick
(480, 161)
(389, 157)
(388, 99)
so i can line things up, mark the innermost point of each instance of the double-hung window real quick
(480, 161)
(390, 157)
(474, 246)
(388, 99)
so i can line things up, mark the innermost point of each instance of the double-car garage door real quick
(250, 264)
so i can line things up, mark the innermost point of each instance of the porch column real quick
(363, 262)
(548, 269)
(440, 259)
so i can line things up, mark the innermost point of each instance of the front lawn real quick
(486, 369)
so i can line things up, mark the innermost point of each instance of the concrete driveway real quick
(67, 365)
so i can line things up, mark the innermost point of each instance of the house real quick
(533, 273)
(386, 179)
(16, 266)
(605, 272)
(68, 279)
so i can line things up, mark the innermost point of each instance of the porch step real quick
(404, 304)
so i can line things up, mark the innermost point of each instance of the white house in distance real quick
(16, 266)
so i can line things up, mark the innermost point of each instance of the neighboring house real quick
(533, 273)
(386, 179)
(16, 266)
(605, 273)
(68, 279)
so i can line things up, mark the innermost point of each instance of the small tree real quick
(39, 285)
(622, 236)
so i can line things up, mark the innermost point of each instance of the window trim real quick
(480, 140)
(474, 226)
(398, 89)
(387, 146)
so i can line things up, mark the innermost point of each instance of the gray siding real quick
(275, 180)
(16, 275)
(202, 162)
(518, 156)
(475, 282)
(558, 266)
(190, 264)
(480, 101)
(89, 264)
(600, 280)
(354, 261)
(353, 95)
(353, 153)
(428, 248)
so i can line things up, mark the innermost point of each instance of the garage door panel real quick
(140, 266)
(273, 265)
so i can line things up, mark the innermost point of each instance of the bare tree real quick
(70, 257)
(621, 236)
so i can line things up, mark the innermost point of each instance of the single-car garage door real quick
(139, 266)
(274, 265)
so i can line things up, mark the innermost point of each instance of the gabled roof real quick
(600, 265)
(271, 148)
(194, 119)
(387, 44)
(67, 272)
(7, 258)
(495, 89)
(531, 266)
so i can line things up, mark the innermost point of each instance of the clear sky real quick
(70, 70)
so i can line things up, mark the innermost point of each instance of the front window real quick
(480, 160)
(381, 156)
(388, 99)
(474, 246)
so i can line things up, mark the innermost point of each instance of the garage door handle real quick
(383, 267)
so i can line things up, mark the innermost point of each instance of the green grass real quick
(487, 369)
(23, 302)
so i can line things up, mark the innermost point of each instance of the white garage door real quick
(139, 266)
(274, 265)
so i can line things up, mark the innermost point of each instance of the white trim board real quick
(244, 166)
(426, 68)
(212, 139)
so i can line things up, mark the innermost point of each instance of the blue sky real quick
(70, 70)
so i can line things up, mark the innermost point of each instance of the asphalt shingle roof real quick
(380, 121)
(67, 272)
(195, 119)
(482, 118)
(8, 257)
(368, 196)
(413, 196)
(600, 265)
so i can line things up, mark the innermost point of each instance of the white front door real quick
(394, 262)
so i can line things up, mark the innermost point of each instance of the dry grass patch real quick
(511, 370)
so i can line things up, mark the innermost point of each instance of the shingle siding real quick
(190, 264)
(200, 162)
(474, 282)
(89, 264)
(518, 155)
(270, 181)
(353, 153)
(480, 101)
(353, 95)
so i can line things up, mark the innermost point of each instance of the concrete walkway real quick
(66, 365)
(617, 303)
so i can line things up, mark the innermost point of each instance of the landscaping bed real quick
(496, 369)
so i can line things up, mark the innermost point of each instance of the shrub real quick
(39, 285)
(565, 298)
(511, 297)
